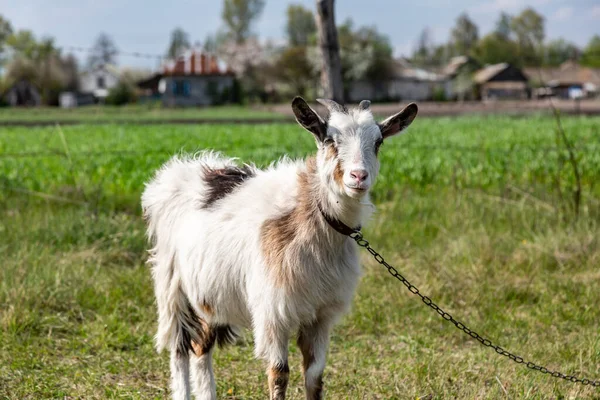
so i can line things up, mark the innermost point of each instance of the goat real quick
(238, 247)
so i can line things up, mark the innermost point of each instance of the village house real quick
(569, 80)
(193, 79)
(407, 83)
(501, 81)
(23, 93)
(457, 78)
(94, 86)
(98, 81)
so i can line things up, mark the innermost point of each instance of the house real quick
(407, 83)
(569, 80)
(193, 79)
(458, 83)
(501, 81)
(99, 80)
(75, 99)
(23, 93)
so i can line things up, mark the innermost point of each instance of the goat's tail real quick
(176, 190)
(178, 323)
(169, 197)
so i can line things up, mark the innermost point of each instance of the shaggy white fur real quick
(244, 247)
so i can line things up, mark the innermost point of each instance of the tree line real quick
(517, 39)
(271, 72)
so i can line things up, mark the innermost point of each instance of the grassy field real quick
(148, 112)
(469, 209)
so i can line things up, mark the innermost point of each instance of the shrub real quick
(121, 94)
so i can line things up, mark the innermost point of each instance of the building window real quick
(100, 82)
(181, 88)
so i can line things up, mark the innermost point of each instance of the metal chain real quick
(358, 237)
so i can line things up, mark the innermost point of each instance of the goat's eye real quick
(328, 141)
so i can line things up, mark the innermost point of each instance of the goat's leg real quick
(272, 344)
(313, 341)
(180, 374)
(203, 379)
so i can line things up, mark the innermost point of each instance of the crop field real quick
(140, 112)
(478, 212)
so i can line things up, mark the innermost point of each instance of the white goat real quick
(243, 247)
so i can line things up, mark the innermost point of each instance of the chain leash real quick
(358, 238)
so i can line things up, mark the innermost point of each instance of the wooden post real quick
(331, 74)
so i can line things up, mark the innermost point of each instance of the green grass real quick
(148, 112)
(482, 230)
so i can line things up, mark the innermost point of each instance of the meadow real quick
(148, 113)
(475, 211)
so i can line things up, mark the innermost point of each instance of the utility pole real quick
(331, 75)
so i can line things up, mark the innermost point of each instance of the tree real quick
(71, 71)
(331, 75)
(422, 53)
(45, 58)
(591, 53)
(239, 15)
(210, 44)
(300, 25)
(250, 62)
(23, 43)
(40, 63)
(529, 30)
(294, 69)
(5, 32)
(379, 52)
(494, 48)
(464, 35)
(103, 52)
(180, 42)
(503, 29)
(439, 55)
(365, 54)
(559, 51)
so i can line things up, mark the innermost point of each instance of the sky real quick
(144, 26)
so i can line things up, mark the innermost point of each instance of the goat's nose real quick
(359, 174)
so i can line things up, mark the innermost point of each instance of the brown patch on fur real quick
(200, 350)
(306, 348)
(223, 181)
(338, 174)
(207, 308)
(315, 390)
(211, 334)
(298, 225)
(331, 153)
(278, 380)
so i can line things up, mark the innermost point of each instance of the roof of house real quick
(568, 72)
(488, 72)
(456, 63)
(405, 70)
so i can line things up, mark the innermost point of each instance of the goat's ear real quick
(309, 119)
(398, 122)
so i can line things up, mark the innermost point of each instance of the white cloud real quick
(562, 14)
(595, 13)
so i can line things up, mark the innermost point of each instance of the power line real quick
(71, 49)
(121, 53)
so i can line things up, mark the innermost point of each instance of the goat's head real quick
(349, 142)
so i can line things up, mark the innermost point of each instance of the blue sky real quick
(144, 25)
